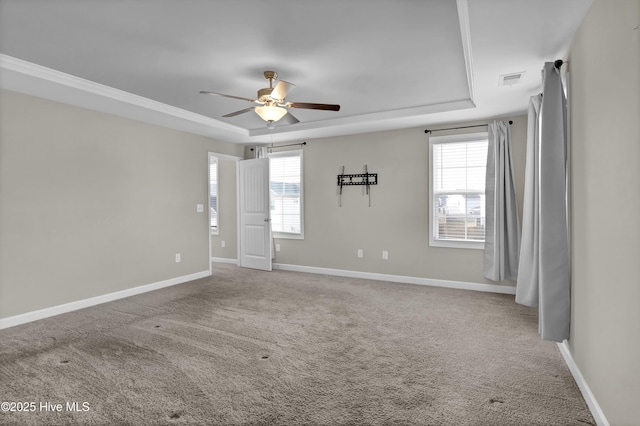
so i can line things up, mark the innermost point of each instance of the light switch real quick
(199, 208)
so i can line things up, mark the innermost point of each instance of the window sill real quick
(457, 244)
(285, 236)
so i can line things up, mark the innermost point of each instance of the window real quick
(285, 183)
(456, 190)
(214, 207)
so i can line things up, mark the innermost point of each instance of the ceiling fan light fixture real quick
(270, 113)
(272, 102)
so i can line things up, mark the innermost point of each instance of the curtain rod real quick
(558, 63)
(282, 146)
(461, 127)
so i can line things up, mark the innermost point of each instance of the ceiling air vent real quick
(510, 79)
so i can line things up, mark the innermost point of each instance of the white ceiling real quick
(388, 63)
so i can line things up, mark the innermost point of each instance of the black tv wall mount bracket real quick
(367, 179)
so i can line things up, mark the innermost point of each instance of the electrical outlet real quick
(385, 255)
(223, 243)
(178, 258)
(360, 253)
(277, 247)
(199, 208)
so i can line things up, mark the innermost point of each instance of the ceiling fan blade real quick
(307, 105)
(242, 111)
(204, 92)
(288, 119)
(282, 89)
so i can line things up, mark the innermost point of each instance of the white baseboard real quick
(97, 300)
(590, 399)
(399, 278)
(224, 260)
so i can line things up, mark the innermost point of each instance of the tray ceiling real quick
(388, 63)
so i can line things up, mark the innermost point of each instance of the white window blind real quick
(213, 193)
(286, 194)
(458, 173)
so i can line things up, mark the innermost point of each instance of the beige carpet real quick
(249, 347)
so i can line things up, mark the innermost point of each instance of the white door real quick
(255, 218)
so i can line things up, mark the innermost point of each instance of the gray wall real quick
(397, 220)
(604, 65)
(93, 203)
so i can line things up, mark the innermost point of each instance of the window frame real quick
(213, 230)
(437, 140)
(291, 153)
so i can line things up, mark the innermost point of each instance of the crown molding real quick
(465, 33)
(36, 80)
(29, 78)
(363, 123)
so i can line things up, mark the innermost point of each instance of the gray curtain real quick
(527, 285)
(261, 152)
(502, 229)
(544, 269)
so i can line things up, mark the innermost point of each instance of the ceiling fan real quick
(272, 105)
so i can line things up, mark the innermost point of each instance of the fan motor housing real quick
(264, 94)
